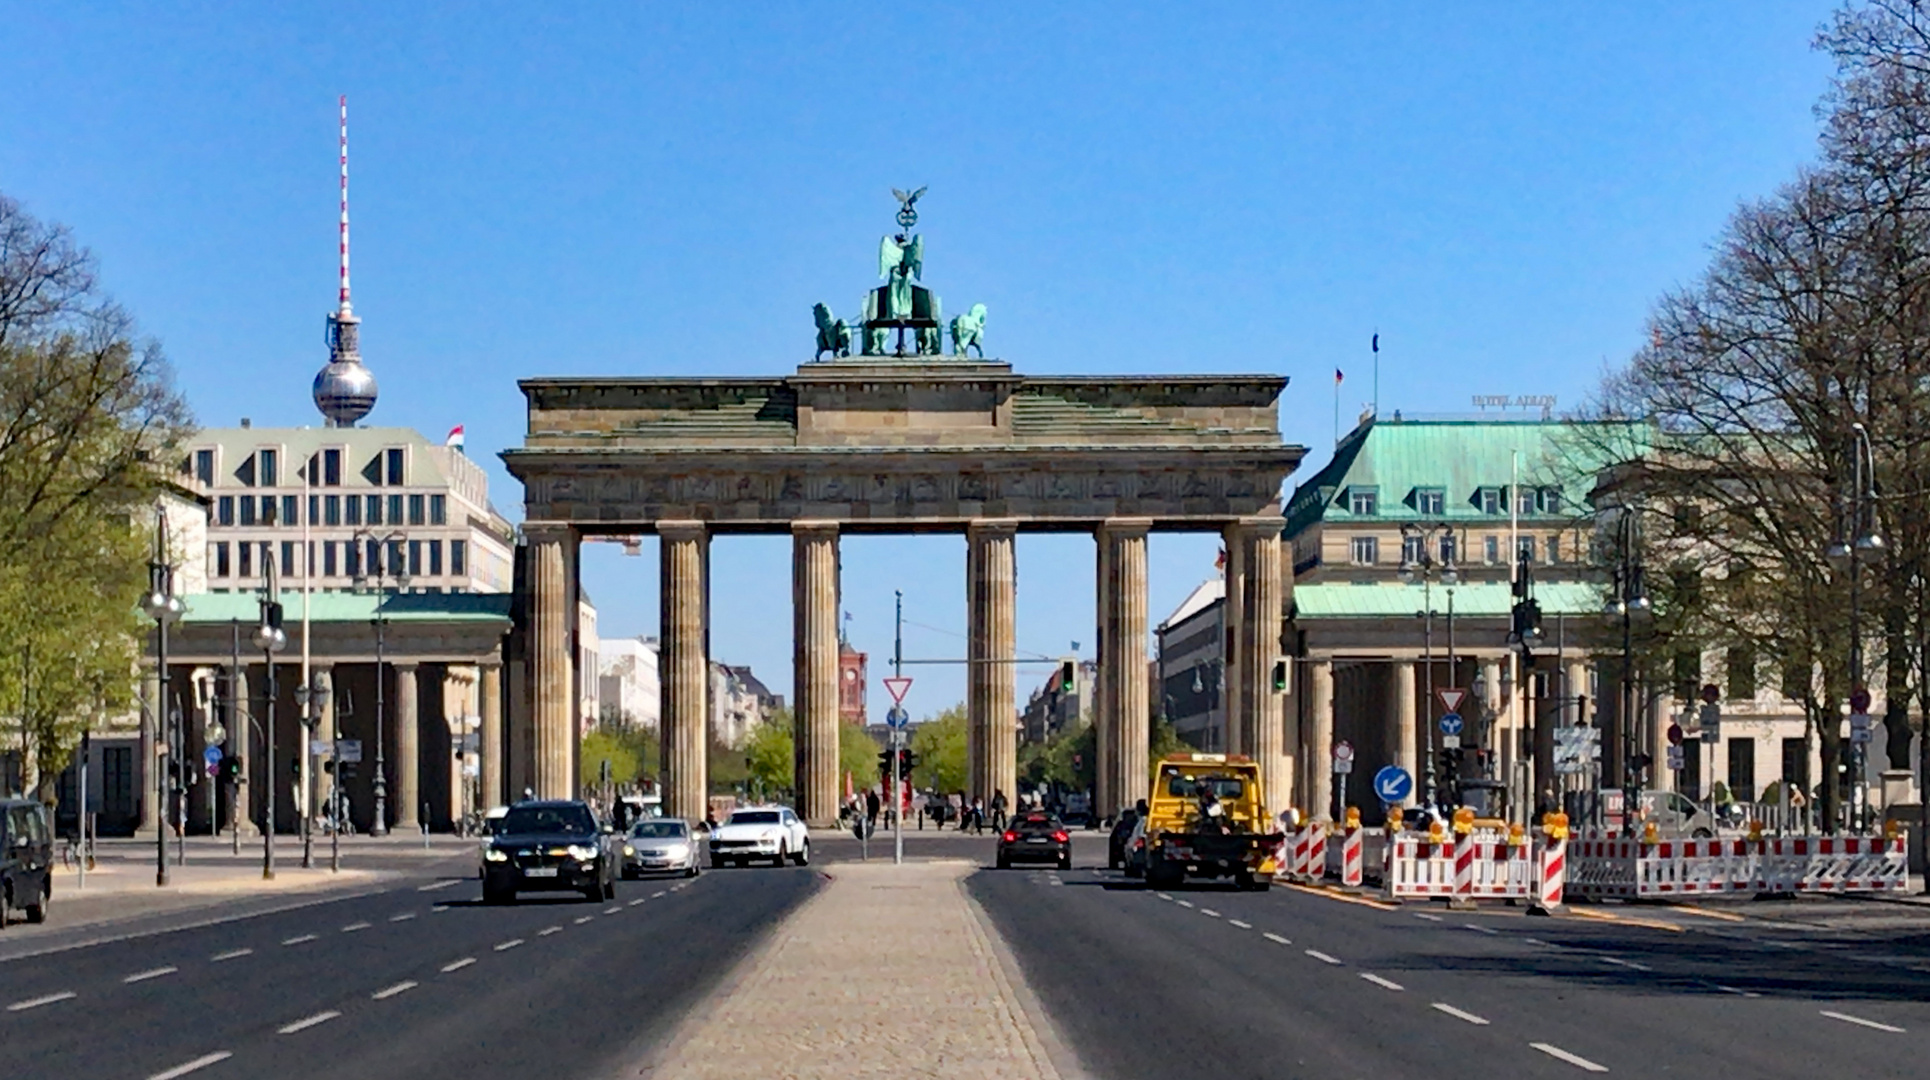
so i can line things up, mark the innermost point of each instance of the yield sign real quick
(1451, 698)
(898, 685)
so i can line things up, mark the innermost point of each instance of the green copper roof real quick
(1488, 600)
(326, 607)
(1398, 458)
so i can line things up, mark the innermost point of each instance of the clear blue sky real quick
(1500, 190)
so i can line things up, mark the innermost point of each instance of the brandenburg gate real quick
(900, 438)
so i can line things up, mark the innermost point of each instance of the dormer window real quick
(1489, 499)
(1363, 502)
(1430, 502)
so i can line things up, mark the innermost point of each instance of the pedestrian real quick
(978, 815)
(998, 809)
(871, 808)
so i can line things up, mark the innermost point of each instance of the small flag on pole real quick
(1338, 376)
(1376, 342)
(455, 437)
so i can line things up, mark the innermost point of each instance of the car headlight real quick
(582, 852)
(676, 851)
(495, 855)
(628, 850)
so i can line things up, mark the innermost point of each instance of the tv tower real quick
(344, 389)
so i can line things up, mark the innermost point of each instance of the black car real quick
(26, 859)
(1122, 830)
(549, 845)
(1035, 837)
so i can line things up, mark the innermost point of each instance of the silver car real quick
(660, 846)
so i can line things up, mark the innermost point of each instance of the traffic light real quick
(1067, 676)
(910, 762)
(884, 763)
(1280, 676)
(230, 770)
(294, 766)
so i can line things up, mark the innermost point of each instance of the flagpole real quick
(1376, 374)
(1337, 379)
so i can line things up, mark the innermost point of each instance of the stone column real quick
(1105, 708)
(1124, 739)
(552, 659)
(1497, 732)
(1238, 736)
(489, 736)
(991, 713)
(684, 674)
(1317, 754)
(814, 667)
(1262, 609)
(1402, 738)
(404, 800)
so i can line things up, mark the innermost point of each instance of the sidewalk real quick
(822, 999)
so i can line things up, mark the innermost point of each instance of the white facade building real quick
(627, 681)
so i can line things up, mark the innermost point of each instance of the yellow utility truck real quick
(1207, 818)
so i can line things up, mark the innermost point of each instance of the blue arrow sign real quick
(897, 717)
(1451, 724)
(1393, 785)
(212, 755)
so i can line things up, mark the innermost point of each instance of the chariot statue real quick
(901, 317)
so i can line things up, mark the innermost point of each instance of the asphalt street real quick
(416, 979)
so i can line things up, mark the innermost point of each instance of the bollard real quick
(1463, 899)
(1351, 845)
(1553, 877)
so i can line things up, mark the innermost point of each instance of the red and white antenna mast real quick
(344, 297)
(344, 388)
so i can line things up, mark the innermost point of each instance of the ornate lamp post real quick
(1427, 555)
(165, 609)
(1856, 541)
(1626, 599)
(312, 699)
(384, 563)
(270, 639)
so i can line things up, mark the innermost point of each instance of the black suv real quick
(26, 859)
(549, 845)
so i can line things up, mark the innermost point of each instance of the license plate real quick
(540, 871)
(1038, 840)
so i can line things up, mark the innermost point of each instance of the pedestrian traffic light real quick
(294, 766)
(231, 770)
(1067, 675)
(1279, 676)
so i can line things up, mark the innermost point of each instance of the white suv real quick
(760, 832)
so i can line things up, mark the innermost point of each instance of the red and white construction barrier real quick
(1307, 861)
(1416, 867)
(1479, 865)
(1631, 868)
(1551, 856)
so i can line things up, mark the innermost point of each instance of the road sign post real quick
(897, 686)
(1451, 727)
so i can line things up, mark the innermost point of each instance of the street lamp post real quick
(1857, 540)
(270, 638)
(381, 552)
(1427, 555)
(164, 608)
(1626, 598)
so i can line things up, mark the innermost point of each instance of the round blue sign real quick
(1451, 724)
(212, 755)
(1393, 785)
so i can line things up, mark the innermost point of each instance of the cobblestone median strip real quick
(821, 1000)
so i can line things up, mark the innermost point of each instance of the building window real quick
(314, 509)
(438, 510)
(1525, 502)
(397, 566)
(415, 558)
(458, 557)
(1491, 550)
(374, 557)
(332, 468)
(332, 509)
(395, 509)
(270, 475)
(247, 503)
(224, 510)
(351, 555)
(1687, 674)
(1362, 503)
(1524, 549)
(288, 565)
(352, 510)
(375, 509)
(435, 558)
(1740, 670)
(1491, 501)
(220, 559)
(245, 557)
(1554, 550)
(1412, 548)
(1551, 500)
(328, 558)
(1366, 550)
(1796, 762)
(1448, 551)
(1742, 769)
(291, 508)
(1430, 502)
(204, 467)
(394, 456)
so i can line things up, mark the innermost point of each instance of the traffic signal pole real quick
(897, 800)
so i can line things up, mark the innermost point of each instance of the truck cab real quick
(1206, 817)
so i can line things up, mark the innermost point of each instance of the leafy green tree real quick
(771, 755)
(606, 744)
(939, 743)
(857, 754)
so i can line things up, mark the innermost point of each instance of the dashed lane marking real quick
(1459, 1014)
(1162, 896)
(1733, 990)
(1378, 981)
(635, 902)
(1209, 912)
(388, 992)
(613, 909)
(438, 909)
(1238, 923)
(656, 894)
(548, 930)
(307, 1022)
(1624, 963)
(151, 973)
(1184, 903)
(1576, 1060)
(1479, 929)
(434, 885)
(1537, 941)
(1848, 1019)
(231, 954)
(354, 926)
(45, 999)
(457, 965)
(581, 919)
(404, 917)
(197, 1064)
(303, 939)
(1428, 917)
(510, 944)
(1322, 957)
(1275, 938)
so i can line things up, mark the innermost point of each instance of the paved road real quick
(1289, 983)
(413, 980)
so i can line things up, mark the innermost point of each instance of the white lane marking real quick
(151, 973)
(1055, 881)
(354, 926)
(231, 954)
(307, 1022)
(1209, 912)
(388, 992)
(1322, 957)
(656, 894)
(1238, 923)
(637, 901)
(1378, 981)
(1425, 915)
(457, 965)
(404, 917)
(299, 940)
(1184, 903)
(1458, 1014)
(1576, 1060)
(1162, 896)
(582, 919)
(613, 909)
(434, 885)
(437, 909)
(1276, 938)
(35, 1003)
(1848, 1019)
(1537, 941)
(548, 930)
(510, 944)
(201, 1062)
(1624, 963)
(1479, 929)
(1733, 990)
